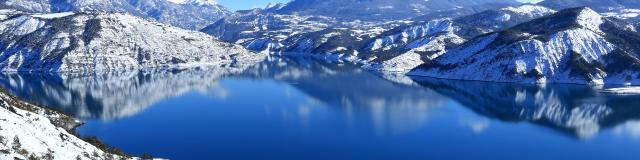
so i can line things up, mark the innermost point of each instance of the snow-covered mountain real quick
(623, 9)
(86, 42)
(384, 10)
(261, 30)
(404, 48)
(575, 45)
(597, 5)
(311, 26)
(192, 15)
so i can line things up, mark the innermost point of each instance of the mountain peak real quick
(202, 2)
(527, 8)
(589, 18)
(583, 17)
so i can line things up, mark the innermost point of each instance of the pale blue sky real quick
(248, 4)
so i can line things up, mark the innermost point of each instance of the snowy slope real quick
(304, 26)
(193, 15)
(572, 46)
(189, 15)
(598, 5)
(404, 48)
(85, 42)
(623, 9)
(260, 30)
(333, 27)
(28, 131)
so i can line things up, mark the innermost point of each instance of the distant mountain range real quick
(190, 15)
(384, 10)
(598, 5)
(312, 26)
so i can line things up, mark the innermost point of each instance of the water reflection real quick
(395, 108)
(575, 110)
(112, 95)
(389, 104)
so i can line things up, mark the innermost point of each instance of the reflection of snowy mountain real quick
(113, 95)
(399, 107)
(577, 110)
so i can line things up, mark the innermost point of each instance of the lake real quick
(299, 108)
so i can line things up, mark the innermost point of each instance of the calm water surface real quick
(296, 108)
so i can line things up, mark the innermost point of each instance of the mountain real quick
(86, 42)
(318, 28)
(404, 48)
(623, 9)
(575, 45)
(384, 10)
(597, 5)
(260, 30)
(54, 6)
(192, 15)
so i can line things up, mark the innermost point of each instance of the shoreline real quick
(29, 131)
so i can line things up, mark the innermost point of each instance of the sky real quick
(248, 4)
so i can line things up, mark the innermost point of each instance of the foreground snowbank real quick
(28, 131)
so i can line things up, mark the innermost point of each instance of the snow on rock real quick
(388, 42)
(590, 19)
(193, 14)
(434, 38)
(624, 13)
(306, 27)
(402, 63)
(573, 46)
(53, 15)
(27, 131)
(530, 10)
(86, 42)
(202, 2)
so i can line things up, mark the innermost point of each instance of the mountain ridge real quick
(575, 45)
(87, 42)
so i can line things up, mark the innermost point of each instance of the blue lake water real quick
(297, 108)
